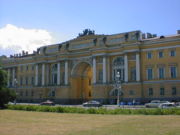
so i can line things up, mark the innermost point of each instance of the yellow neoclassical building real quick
(85, 68)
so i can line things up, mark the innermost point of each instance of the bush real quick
(60, 109)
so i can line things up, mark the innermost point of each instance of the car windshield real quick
(155, 101)
(164, 102)
(93, 102)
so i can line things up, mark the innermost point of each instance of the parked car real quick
(92, 103)
(155, 103)
(178, 104)
(47, 102)
(167, 105)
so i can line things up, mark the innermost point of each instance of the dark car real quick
(48, 102)
(92, 103)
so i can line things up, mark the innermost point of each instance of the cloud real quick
(17, 39)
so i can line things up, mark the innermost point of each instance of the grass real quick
(14, 122)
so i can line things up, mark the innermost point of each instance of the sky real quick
(29, 24)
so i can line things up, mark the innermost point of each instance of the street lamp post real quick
(118, 85)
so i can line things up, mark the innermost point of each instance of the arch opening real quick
(81, 78)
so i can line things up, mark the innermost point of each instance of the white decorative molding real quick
(160, 48)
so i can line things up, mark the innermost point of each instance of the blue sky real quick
(64, 19)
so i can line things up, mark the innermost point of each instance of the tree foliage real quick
(87, 32)
(6, 94)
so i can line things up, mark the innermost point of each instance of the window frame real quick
(150, 92)
(171, 73)
(147, 74)
(159, 73)
(160, 52)
(149, 55)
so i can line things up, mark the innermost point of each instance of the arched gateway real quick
(81, 78)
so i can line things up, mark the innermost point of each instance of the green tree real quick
(6, 94)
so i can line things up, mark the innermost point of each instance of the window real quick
(26, 80)
(161, 54)
(173, 72)
(174, 92)
(131, 92)
(100, 75)
(118, 66)
(32, 80)
(21, 93)
(54, 74)
(32, 93)
(21, 81)
(149, 74)
(162, 91)
(32, 68)
(150, 91)
(53, 93)
(21, 68)
(161, 73)
(133, 74)
(172, 53)
(149, 55)
(26, 93)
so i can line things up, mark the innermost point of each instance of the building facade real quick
(85, 68)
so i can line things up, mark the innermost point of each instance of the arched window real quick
(118, 66)
(54, 74)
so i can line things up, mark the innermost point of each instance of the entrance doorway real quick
(81, 79)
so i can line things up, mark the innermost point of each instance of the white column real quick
(66, 73)
(137, 67)
(58, 73)
(36, 79)
(43, 76)
(104, 69)
(47, 74)
(8, 82)
(108, 70)
(13, 77)
(126, 67)
(94, 70)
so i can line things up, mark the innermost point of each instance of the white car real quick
(92, 103)
(167, 105)
(155, 103)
